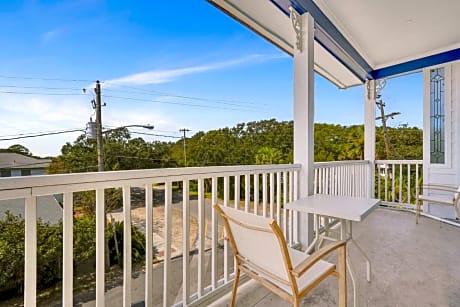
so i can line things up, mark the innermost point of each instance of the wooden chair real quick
(443, 195)
(261, 252)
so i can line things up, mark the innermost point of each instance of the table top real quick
(342, 207)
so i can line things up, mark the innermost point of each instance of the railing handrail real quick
(16, 187)
(345, 162)
(398, 161)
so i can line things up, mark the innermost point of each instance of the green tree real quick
(268, 155)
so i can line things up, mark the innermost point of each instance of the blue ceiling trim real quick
(436, 59)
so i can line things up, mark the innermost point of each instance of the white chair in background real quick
(438, 194)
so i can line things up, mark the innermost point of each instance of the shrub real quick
(137, 244)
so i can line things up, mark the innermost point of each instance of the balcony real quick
(194, 266)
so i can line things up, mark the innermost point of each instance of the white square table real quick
(344, 208)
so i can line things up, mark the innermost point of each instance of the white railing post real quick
(127, 246)
(167, 245)
(278, 198)
(215, 235)
(185, 242)
(264, 194)
(304, 121)
(272, 195)
(226, 249)
(237, 192)
(100, 248)
(369, 132)
(256, 193)
(247, 192)
(30, 260)
(149, 245)
(67, 250)
(201, 237)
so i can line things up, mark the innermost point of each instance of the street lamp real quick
(91, 133)
(150, 127)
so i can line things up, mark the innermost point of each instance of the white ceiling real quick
(388, 32)
(384, 32)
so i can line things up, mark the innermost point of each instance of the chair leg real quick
(235, 286)
(417, 211)
(342, 268)
(296, 302)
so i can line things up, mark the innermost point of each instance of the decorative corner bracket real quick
(370, 89)
(297, 25)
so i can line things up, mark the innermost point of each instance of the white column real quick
(304, 120)
(369, 132)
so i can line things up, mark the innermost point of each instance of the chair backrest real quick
(257, 242)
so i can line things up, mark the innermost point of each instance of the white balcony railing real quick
(346, 178)
(398, 181)
(277, 183)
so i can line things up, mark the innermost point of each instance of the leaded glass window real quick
(437, 116)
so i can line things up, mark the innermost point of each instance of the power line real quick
(45, 79)
(179, 103)
(42, 87)
(141, 90)
(154, 134)
(34, 133)
(41, 134)
(40, 93)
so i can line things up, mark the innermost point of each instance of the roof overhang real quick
(358, 40)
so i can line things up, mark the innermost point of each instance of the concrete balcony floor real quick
(412, 265)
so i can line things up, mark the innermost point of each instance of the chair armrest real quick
(439, 187)
(303, 266)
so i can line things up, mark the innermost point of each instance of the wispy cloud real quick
(52, 34)
(169, 75)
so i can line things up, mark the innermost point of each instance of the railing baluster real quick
(215, 235)
(386, 182)
(100, 248)
(127, 246)
(416, 179)
(285, 199)
(201, 236)
(295, 180)
(226, 249)
(408, 183)
(149, 245)
(400, 183)
(67, 250)
(237, 196)
(247, 192)
(264, 194)
(167, 245)
(393, 178)
(272, 195)
(30, 253)
(278, 198)
(185, 242)
(256, 193)
(315, 180)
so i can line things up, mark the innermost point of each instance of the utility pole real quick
(384, 117)
(99, 140)
(185, 151)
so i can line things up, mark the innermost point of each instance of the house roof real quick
(10, 160)
(358, 40)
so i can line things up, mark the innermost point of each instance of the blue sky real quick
(172, 66)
